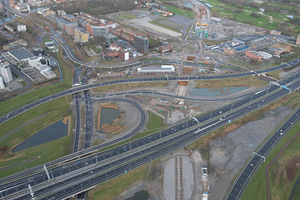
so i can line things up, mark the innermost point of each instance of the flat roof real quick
(20, 54)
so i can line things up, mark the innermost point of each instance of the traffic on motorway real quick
(211, 115)
(245, 176)
(122, 165)
(129, 80)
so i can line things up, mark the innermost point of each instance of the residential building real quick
(229, 51)
(165, 47)
(274, 32)
(69, 27)
(298, 40)
(50, 13)
(141, 44)
(61, 12)
(21, 27)
(15, 44)
(9, 28)
(124, 34)
(81, 35)
(70, 18)
(124, 54)
(5, 71)
(1, 83)
(96, 30)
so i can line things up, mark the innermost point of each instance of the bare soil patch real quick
(292, 168)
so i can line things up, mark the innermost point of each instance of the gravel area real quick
(197, 164)
(288, 73)
(145, 23)
(187, 178)
(226, 160)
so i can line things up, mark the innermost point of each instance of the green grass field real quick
(230, 12)
(126, 16)
(250, 81)
(23, 99)
(180, 11)
(164, 26)
(280, 187)
(56, 109)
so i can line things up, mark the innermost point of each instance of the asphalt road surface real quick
(220, 121)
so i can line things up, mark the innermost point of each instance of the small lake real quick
(108, 115)
(141, 195)
(213, 92)
(52, 132)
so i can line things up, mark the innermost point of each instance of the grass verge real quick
(249, 81)
(56, 109)
(180, 11)
(130, 86)
(112, 188)
(280, 187)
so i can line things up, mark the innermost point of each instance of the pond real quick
(212, 92)
(141, 195)
(108, 115)
(52, 132)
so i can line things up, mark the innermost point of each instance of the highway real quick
(89, 120)
(77, 99)
(100, 173)
(90, 176)
(240, 184)
(22, 109)
(217, 113)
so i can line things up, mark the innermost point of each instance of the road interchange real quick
(234, 106)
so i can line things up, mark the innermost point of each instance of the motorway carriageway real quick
(90, 177)
(18, 111)
(240, 184)
(190, 123)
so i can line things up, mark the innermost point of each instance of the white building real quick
(43, 68)
(5, 71)
(265, 55)
(1, 83)
(162, 69)
(21, 27)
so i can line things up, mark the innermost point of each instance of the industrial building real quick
(42, 64)
(253, 55)
(20, 55)
(5, 71)
(248, 40)
(265, 55)
(141, 44)
(81, 35)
